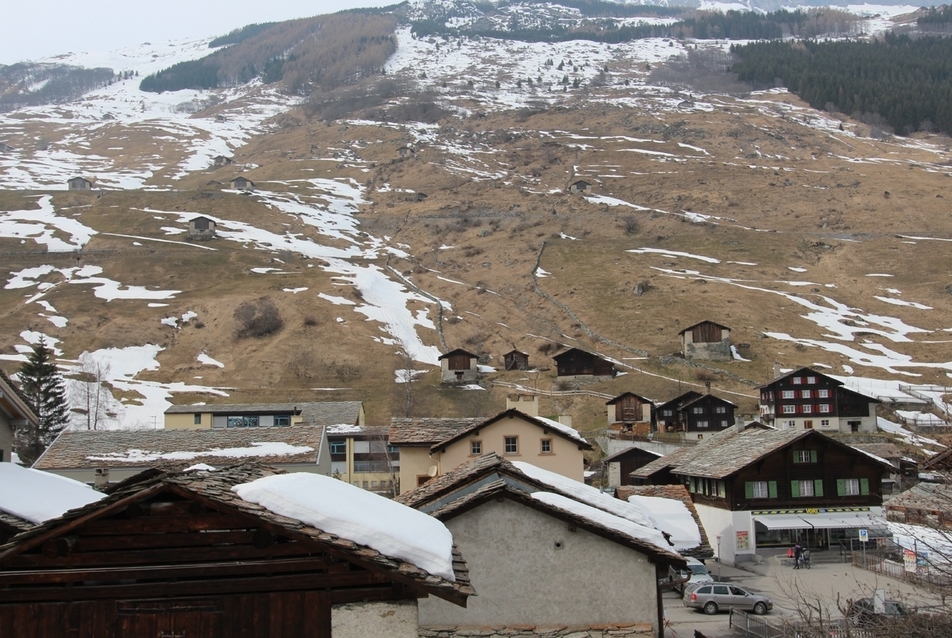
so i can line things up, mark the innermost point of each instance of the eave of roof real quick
(512, 413)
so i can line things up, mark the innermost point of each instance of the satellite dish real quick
(432, 471)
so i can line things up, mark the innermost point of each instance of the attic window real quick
(196, 419)
(475, 448)
(511, 445)
(546, 446)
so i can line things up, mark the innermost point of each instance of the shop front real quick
(817, 528)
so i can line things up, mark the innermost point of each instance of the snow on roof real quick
(270, 448)
(561, 427)
(674, 517)
(344, 428)
(38, 496)
(589, 495)
(603, 518)
(363, 517)
(930, 543)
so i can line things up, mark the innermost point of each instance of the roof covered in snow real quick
(35, 496)
(312, 413)
(379, 535)
(145, 448)
(671, 506)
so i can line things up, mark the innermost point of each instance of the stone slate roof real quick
(695, 325)
(490, 477)
(216, 486)
(16, 523)
(627, 451)
(312, 413)
(668, 460)
(888, 451)
(146, 448)
(428, 431)
(677, 493)
(553, 427)
(933, 497)
(362, 432)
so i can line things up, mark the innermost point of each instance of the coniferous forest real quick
(905, 81)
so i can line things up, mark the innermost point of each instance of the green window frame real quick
(863, 487)
(771, 489)
(817, 488)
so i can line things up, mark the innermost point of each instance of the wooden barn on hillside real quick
(706, 340)
(459, 366)
(579, 363)
(181, 554)
(515, 360)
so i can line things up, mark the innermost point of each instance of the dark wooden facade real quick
(815, 458)
(707, 332)
(576, 363)
(458, 359)
(158, 559)
(630, 460)
(629, 408)
(242, 184)
(515, 360)
(694, 412)
(805, 393)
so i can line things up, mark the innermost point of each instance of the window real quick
(196, 419)
(811, 380)
(547, 446)
(825, 408)
(806, 487)
(243, 421)
(666, 413)
(511, 445)
(697, 410)
(373, 484)
(703, 424)
(789, 409)
(804, 456)
(791, 424)
(725, 423)
(808, 424)
(823, 394)
(365, 485)
(282, 420)
(825, 423)
(807, 408)
(852, 487)
(804, 394)
(720, 409)
(758, 489)
(788, 394)
(393, 449)
(338, 447)
(475, 448)
(796, 380)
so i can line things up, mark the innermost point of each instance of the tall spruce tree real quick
(45, 389)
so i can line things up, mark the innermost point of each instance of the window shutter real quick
(795, 489)
(772, 489)
(818, 487)
(812, 456)
(692, 484)
(864, 486)
(840, 487)
(749, 489)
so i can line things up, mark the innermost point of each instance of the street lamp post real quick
(718, 558)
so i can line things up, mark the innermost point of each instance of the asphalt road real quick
(826, 586)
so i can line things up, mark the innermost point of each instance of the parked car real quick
(714, 597)
(863, 612)
(699, 574)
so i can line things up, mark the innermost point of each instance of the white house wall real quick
(726, 524)
(375, 620)
(528, 568)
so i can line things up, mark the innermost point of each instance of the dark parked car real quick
(714, 597)
(863, 611)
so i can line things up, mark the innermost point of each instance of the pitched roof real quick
(548, 425)
(312, 412)
(935, 497)
(798, 371)
(490, 476)
(703, 397)
(677, 493)
(14, 401)
(625, 394)
(630, 450)
(680, 400)
(457, 351)
(217, 487)
(695, 325)
(362, 432)
(218, 446)
(427, 430)
(571, 350)
(667, 461)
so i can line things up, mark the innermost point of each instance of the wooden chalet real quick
(180, 554)
(242, 184)
(693, 415)
(629, 412)
(620, 465)
(201, 228)
(79, 184)
(459, 366)
(581, 186)
(706, 340)
(222, 160)
(579, 363)
(767, 487)
(515, 360)
(807, 399)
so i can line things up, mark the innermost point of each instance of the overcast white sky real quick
(34, 29)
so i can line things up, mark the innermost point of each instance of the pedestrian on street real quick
(797, 555)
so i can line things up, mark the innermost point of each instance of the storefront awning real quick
(825, 520)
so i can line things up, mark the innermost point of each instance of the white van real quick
(699, 574)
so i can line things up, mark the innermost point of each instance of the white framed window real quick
(721, 409)
(807, 408)
(804, 394)
(791, 424)
(804, 456)
(789, 409)
(796, 380)
(511, 445)
(851, 487)
(475, 448)
(760, 489)
(806, 488)
(824, 423)
(825, 408)
(788, 394)
(823, 394)
(697, 410)
(703, 424)
(546, 446)
(725, 423)
(811, 380)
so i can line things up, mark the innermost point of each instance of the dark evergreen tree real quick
(44, 388)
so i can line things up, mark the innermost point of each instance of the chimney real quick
(707, 386)
(102, 478)
(525, 403)
(776, 370)
(565, 419)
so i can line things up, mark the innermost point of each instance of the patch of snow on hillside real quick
(900, 302)
(673, 254)
(44, 226)
(207, 360)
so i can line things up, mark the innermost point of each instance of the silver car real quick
(713, 597)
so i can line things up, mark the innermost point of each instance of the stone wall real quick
(528, 631)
